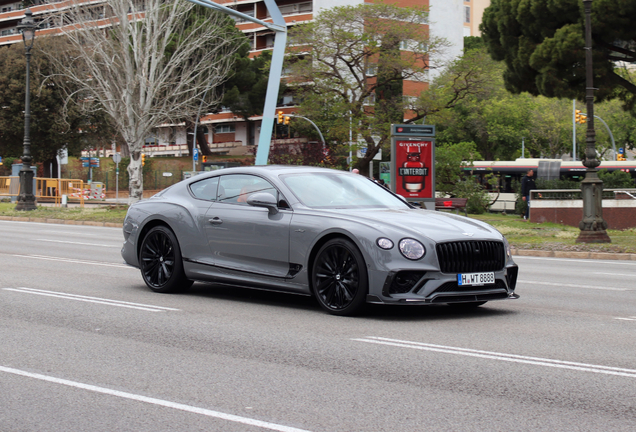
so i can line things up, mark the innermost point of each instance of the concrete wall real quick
(618, 213)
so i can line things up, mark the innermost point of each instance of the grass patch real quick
(106, 213)
(555, 237)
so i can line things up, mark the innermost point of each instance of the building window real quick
(467, 17)
(224, 128)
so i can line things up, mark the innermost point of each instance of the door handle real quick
(216, 221)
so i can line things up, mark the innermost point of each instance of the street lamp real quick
(26, 199)
(592, 225)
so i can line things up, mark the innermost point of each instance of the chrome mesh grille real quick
(471, 256)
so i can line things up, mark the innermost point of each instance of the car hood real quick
(437, 226)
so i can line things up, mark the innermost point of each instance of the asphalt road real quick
(85, 346)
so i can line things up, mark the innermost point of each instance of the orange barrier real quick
(9, 186)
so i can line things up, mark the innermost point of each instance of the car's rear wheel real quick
(339, 277)
(161, 263)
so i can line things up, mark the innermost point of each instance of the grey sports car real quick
(338, 236)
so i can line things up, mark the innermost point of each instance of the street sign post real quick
(117, 160)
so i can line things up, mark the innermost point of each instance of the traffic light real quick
(204, 158)
(143, 159)
(287, 118)
(579, 117)
(280, 117)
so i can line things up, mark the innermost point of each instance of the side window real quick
(235, 188)
(205, 189)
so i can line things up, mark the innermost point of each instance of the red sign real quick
(414, 168)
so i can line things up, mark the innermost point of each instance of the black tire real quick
(469, 305)
(160, 262)
(339, 278)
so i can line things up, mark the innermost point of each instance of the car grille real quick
(471, 256)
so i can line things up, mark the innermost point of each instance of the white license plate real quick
(475, 279)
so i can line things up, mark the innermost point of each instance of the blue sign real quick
(0, 160)
(195, 155)
(621, 150)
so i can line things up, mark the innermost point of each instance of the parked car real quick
(337, 236)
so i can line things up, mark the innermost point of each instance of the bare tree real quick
(144, 63)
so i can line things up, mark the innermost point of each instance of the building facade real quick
(224, 131)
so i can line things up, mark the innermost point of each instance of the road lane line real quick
(74, 261)
(561, 364)
(574, 285)
(586, 260)
(154, 401)
(118, 303)
(78, 243)
(626, 319)
(617, 274)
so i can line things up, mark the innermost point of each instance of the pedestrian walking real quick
(527, 184)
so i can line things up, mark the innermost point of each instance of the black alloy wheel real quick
(160, 261)
(339, 277)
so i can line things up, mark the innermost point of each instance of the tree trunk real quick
(135, 174)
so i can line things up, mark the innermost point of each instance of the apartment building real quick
(226, 132)
(473, 13)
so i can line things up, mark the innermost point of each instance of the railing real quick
(576, 194)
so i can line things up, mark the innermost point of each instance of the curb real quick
(517, 252)
(577, 255)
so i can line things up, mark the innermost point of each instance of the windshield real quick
(340, 190)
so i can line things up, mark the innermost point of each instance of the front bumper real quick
(428, 287)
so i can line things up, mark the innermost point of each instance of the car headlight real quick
(412, 249)
(507, 246)
(384, 243)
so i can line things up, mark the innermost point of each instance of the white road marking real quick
(109, 302)
(574, 285)
(154, 401)
(583, 367)
(626, 319)
(74, 261)
(79, 243)
(586, 260)
(617, 274)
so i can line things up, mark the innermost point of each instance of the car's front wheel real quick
(160, 261)
(339, 277)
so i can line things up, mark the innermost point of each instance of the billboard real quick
(414, 166)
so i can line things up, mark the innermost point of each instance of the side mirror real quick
(264, 199)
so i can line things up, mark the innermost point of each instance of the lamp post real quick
(592, 225)
(26, 199)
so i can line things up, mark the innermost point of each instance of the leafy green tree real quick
(495, 120)
(449, 159)
(550, 129)
(542, 43)
(356, 67)
(54, 124)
